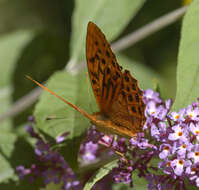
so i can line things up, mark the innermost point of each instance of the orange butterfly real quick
(117, 94)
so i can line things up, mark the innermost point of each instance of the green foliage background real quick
(46, 40)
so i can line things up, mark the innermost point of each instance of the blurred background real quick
(35, 40)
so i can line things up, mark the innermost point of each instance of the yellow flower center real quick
(184, 146)
(177, 117)
(196, 153)
(180, 162)
(180, 133)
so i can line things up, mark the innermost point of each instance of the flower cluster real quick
(51, 166)
(89, 149)
(173, 138)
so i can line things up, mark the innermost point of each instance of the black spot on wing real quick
(107, 54)
(133, 109)
(94, 75)
(96, 43)
(108, 71)
(92, 59)
(97, 57)
(113, 63)
(94, 81)
(139, 110)
(137, 98)
(130, 98)
(103, 61)
(133, 86)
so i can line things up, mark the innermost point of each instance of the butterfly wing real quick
(105, 74)
(117, 93)
(128, 109)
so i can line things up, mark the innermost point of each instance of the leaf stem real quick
(148, 29)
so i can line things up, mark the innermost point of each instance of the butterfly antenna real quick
(65, 101)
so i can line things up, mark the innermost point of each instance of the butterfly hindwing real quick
(128, 110)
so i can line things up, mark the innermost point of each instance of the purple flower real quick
(178, 116)
(172, 138)
(151, 95)
(120, 145)
(197, 181)
(180, 133)
(195, 130)
(31, 118)
(62, 137)
(194, 155)
(154, 182)
(89, 151)
(22, 171)
(51, 166)
(183, 148)
(123, 173)
(70, 182)
(193, 114)
(165, 151)
(178, 166)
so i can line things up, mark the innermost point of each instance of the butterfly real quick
(117, 93)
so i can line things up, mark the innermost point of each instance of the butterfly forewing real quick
(117, 93)
(104, 71)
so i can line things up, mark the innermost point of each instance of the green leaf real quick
(139, 71)
(5, 96)
(14, 151)
(100, 174)
(7, 141)
(74, 89)
(10, 48)
(42, 56)
(188, 59)
(111, 16)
